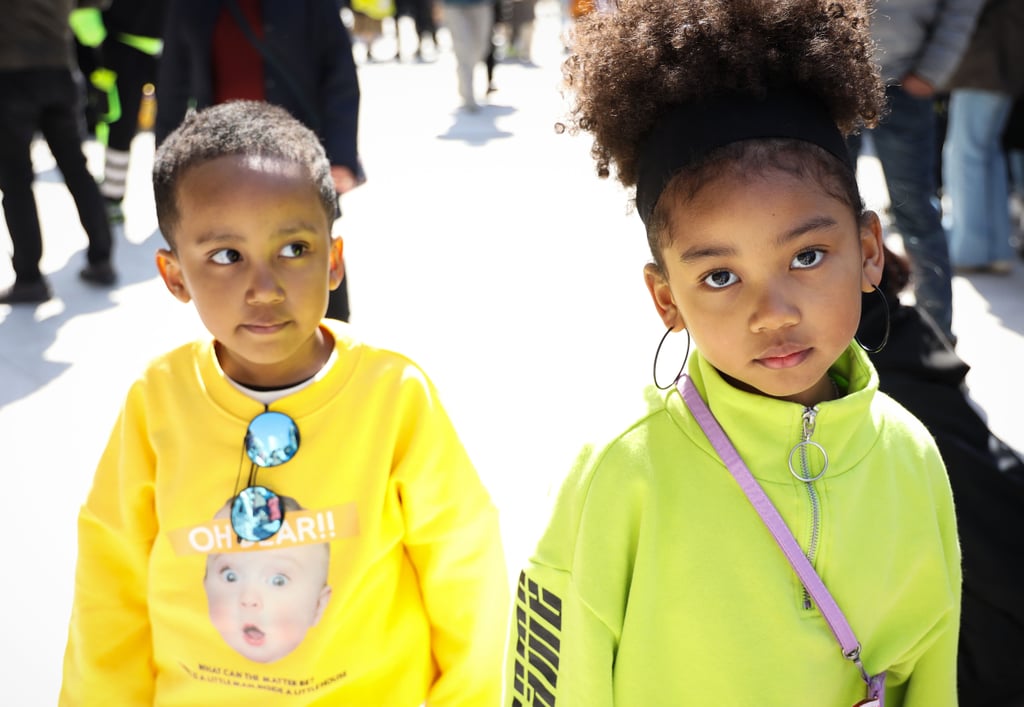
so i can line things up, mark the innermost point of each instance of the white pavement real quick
(483, 246)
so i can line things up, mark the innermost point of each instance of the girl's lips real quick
(787, 361)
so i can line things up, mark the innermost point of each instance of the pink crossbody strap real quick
(831, 612)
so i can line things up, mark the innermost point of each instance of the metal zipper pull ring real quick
(801, 446)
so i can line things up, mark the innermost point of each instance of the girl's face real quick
(766, 273)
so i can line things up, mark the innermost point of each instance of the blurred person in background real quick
(471, 24)
(918, 44)
(125, 39)
(293, 53)
(40, 90)
(975, 168)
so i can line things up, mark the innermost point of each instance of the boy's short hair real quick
(248, 128)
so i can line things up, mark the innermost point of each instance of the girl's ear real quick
(872, 250)
(170, 271)
(661, 293)
(337, 262)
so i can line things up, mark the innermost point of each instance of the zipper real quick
(809, 416)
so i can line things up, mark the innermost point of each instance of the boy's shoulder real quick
(174, 363)
(368, 358)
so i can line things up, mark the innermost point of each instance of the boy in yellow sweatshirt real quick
(278, 404)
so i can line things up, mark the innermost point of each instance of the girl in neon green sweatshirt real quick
(656, 582)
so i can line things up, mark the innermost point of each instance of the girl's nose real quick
(774, 309)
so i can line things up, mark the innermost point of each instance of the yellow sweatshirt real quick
(387, 587)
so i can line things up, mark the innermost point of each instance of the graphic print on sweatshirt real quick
(538, 642)
(264, 597)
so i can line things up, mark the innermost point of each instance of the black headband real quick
(686, 132)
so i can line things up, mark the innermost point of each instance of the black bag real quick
(919, 369)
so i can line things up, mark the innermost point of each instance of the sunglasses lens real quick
(256, 514)
(272, 439)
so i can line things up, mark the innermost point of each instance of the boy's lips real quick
(264, 327)
(783, 357)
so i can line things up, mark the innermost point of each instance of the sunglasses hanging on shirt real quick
(272, 439)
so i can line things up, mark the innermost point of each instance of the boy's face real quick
(766, 272)
(254, 252)
(263, 602)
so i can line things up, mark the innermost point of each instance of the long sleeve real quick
(947, 41)
(561, 646)
(338, 94)
(174, 86)
(453, 540)
(933, 679)
(559, 651)
(108, 659)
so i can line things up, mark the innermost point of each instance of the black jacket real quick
(144, 18)
(35, 34)
(994, 58)
(316, 80)
(921, 371)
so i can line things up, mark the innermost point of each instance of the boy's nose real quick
(774, 309)
(264, 286)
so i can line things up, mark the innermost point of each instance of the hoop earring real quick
(681, 368)
(885, 336)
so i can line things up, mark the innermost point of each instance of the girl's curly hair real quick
(628, 64)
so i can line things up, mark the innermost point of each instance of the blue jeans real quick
(974, 171)
(905, 142)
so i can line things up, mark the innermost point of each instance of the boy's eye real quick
(228, 575)
(808, 258)
(720, 278)
(278, 580)
(226, 256)
(293, 250)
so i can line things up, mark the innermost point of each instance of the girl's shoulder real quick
(896, 424)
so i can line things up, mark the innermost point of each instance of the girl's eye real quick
(808, 258)
(278, 580)
(229, 575)
(720, 278)
(226, 256)
(293, 250)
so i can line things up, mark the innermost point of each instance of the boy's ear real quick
(170, 271)
(872, 250)
(337, 262)
(661, 293)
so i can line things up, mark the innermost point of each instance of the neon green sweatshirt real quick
(657, 583)
(388, 587)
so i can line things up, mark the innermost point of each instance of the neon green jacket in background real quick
(396, 549)
(657, 583)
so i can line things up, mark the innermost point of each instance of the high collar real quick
(764, 430)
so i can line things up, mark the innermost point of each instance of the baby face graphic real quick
(263, 602)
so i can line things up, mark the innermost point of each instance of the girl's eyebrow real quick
(697, 252)
(815, 223)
